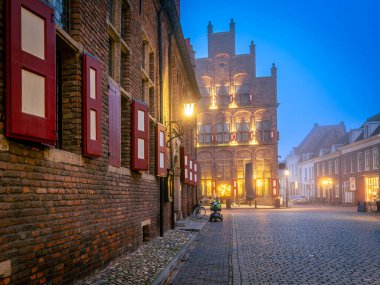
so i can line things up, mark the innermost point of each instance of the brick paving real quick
(289, 246)
(209, 260)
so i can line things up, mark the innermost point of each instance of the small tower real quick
(232, 26)
(209, 28)
(274, 70)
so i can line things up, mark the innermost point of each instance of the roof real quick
(322, 137)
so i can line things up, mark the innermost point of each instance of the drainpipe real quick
(160, 75)
(170, 126)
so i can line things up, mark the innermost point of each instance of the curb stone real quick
(163, 276)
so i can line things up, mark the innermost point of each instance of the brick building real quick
(334, 166)
(89, 162)
(237, 122)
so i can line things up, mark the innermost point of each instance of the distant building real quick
(237, 121)
(300, 161)
(334, 170)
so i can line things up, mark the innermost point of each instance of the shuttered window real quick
(161, 151)
(184, 166)
(92, 106)
(140, 135)
(30, 69)
(114, 124)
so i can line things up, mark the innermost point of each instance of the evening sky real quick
(327, 53)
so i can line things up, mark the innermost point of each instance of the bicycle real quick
(199, 211)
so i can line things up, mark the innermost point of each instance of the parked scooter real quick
(216, 208)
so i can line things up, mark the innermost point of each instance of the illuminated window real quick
(223, 169)
(371, 188)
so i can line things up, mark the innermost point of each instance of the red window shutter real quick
(140, 135)
(114, 124)
(191, 173)
(92, 106)
(184, 166)
(161, 150)
(30, 115)
(195, 173)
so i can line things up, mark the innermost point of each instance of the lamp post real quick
(176, 130)
(286, 172)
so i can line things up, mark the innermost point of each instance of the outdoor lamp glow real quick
(286, 172)
(189, 109)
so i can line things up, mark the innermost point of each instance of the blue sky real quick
(327, 53)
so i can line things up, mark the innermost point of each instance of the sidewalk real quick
(152, 262)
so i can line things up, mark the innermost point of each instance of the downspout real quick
(170, 62)
(160, 75)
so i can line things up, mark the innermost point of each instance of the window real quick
(61, 13)
(330, 167)
(366, 160)
(221, 90)
(111, 58)
(124, 70)
(318, 169)
(223, 133)
(345, 165)
(204, 134)
(111, 11)
(205, 91)
(125, 18)
(114, 124)
(263, 133)
(185, 165)
(161, 151)
(305, 174)
(30, 70)
(351, 165)
(242, 129)
(371, 188)
(375, 158)
(360, 161)
(336, 166)
(223, 169)
(323, 168)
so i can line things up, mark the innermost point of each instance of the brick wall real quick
(63, 215)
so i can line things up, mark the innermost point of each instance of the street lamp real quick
(286, 172)
(176, 130)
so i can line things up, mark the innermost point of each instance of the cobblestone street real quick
(331, 245)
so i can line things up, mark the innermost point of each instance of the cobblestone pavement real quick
(330, 245)
(145, 264)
